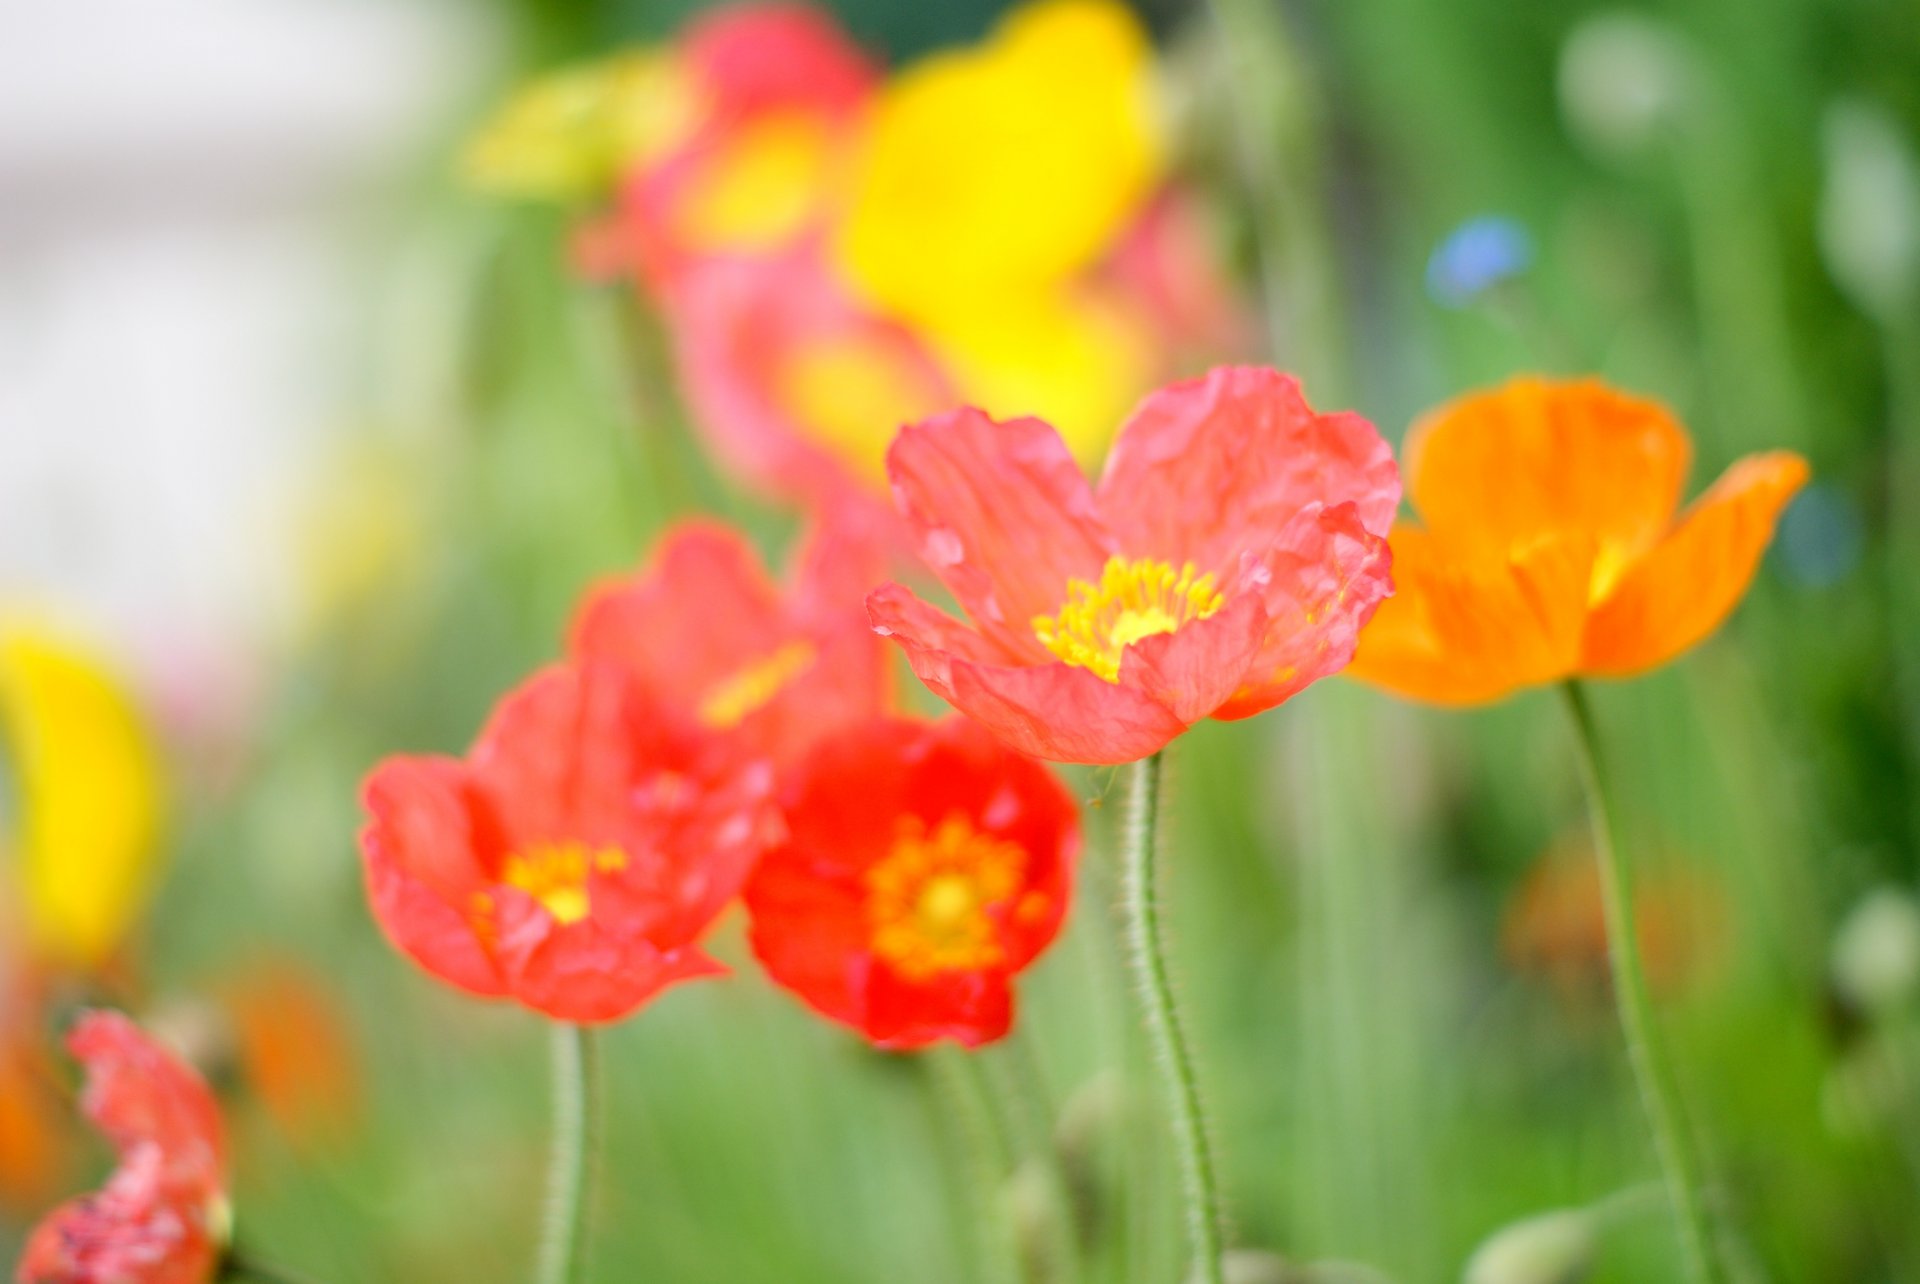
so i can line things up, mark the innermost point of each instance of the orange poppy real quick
(1549, 545)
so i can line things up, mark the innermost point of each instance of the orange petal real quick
(1680, 591)
(1467, 628)
(1536, 457)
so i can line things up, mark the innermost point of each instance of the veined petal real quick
(1321, 584)
(1062, 713)
(1463, 628)
(1211, 466)
(1196, 668)
(1688, 583)
(1003, 516)
(931, 638)
(1537, 457)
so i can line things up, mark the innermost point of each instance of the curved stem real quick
(1659, 1096)
(1141, 912)
(576, 1122)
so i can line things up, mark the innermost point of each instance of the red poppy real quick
(1228, 558)
(778, 91)
(923, 868)
(706, 631)
(161, 1218)
(574, 858)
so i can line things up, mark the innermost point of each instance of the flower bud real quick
(1876, 953)
(1624, 79)
(1870, 210)
(1551, 1248)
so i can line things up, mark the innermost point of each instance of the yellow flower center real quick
(1136, 598)
(928, 901)
(729, 701)
(555, 874)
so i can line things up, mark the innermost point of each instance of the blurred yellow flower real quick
(88, 789)
(568, 135)
(1009, 167)
(1079, 360)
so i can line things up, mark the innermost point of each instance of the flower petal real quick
(931, 638)
(1061, 713)
(1003, 516)
(581, 971)
(1465, 627)
(1207, 467)
(1680, 591)
(1196, 668)
(1322, 582)
(140, 1094)
(971, 1008)
(1536, 456)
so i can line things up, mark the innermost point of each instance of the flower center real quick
(929, 902)
(555, 874)
(1136, 598)
(730, 700)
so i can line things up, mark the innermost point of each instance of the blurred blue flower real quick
(1821, 536)
(1480, 254)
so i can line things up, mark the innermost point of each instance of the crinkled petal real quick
(1003, 516)
(1322, 582)
(1196, 668)
(1462, 629)
(1061, 713)
(580, 971)
(141, 1094)
(1536, 457)
(1211, 466)
(104, 1239)
(931, 638)
(1681, 590)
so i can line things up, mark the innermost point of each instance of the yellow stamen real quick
(929, 901)
(729, 701)
(1136, 598)
(555, 874)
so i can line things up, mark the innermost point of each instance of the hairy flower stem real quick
(1141, 913)
(576, 1126)
(1659, 1095)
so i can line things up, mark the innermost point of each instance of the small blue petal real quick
(1480, 254)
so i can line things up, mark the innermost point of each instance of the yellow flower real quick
(1011, 166)
(1079, 360)
(87, 788)
(568, 135)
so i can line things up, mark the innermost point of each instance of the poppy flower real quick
(577, 854)
(1227, 559)
(161, 1218)
(1549, 546)
(775, 96)
(710, 635)
(924, 867)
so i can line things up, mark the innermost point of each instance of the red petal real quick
(931, 638)
(1063, 714)
(1323, 581)
(1003, 516)
(140, 1094)
(1197, 667)
(1212, 466)
(101, 1239)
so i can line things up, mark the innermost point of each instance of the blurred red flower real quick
(161, 1218)
(1228, 558)
(577, 854)
(924, 867)
(705, 630)
(775, 95)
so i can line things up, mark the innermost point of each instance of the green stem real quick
(968, 1100)
(576, 1126)
(1141, 911)
(1659, 1095)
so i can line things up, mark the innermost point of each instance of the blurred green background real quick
(1388, 1083)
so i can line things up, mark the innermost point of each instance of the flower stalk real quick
(1659, 1094)
(1141, 914)
(576, 1127)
